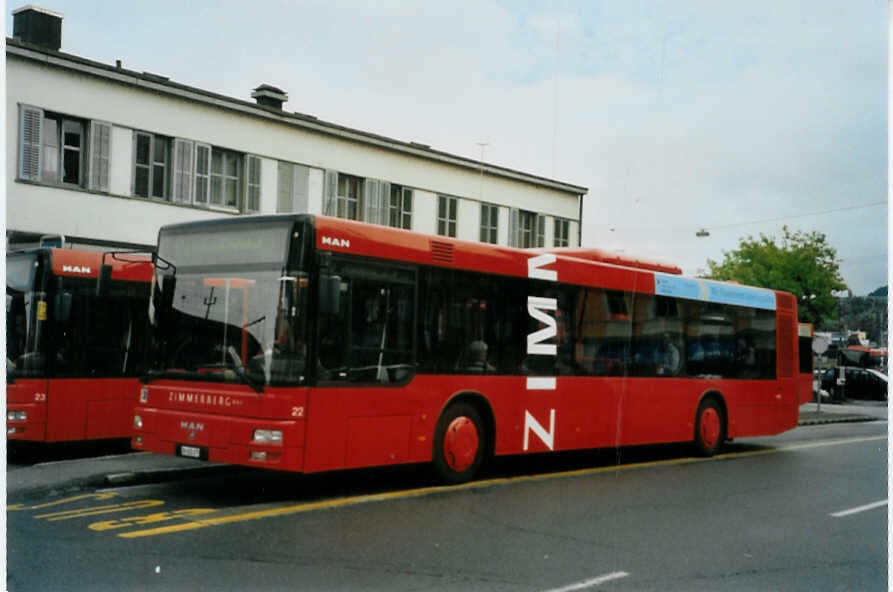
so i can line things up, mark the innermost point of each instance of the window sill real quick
(151, 200)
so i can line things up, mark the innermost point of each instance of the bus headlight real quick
(138, 422)
(268, 436)
(16, 415)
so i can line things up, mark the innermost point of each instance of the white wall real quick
(424, 212)
(269, 173)
(121, 166)
(468, 220)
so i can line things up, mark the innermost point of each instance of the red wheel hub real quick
(709, 427)
(460, 444)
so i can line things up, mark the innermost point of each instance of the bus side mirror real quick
(62, 307)
(329, 294)
(103, 280)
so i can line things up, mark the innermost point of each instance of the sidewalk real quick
(105, 471)
(842, 413)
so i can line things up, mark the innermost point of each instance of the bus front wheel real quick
(710, 428)
(459, 444)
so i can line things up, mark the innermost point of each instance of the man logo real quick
(336, 242)
(76, 269)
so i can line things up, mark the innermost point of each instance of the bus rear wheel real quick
(459, 444)
(710, 428)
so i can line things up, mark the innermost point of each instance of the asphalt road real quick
(802, 511)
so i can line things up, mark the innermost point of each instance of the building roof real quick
(21, 49)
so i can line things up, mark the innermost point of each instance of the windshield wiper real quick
(241, 372)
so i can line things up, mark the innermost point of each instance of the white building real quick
(105, 155)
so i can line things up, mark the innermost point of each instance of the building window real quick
(151, 165)
(72, 151)
(532, 229)
(225, 169)
(347, 199)
(562, 230)
(400, 207)
(446, 215)
(489, 223)
(53, 149)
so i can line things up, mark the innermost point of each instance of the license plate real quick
(190, 451)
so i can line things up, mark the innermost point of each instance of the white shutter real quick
(252, 183)
(331, 192)
(184, 151)
(100, 153)
(285, 188)
(514, 227)
(301, 202)
(385, 203)
(30, 122)
(202, 173)
(372, 201)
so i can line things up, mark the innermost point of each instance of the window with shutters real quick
(53, 149)
(400, 207)
(489, 224)
(446, 215)
(151, 165)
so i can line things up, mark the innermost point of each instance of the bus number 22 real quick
(297, 412)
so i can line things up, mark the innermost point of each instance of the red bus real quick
(73, 358)
(308, 343)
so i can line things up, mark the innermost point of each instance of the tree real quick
(802, 263)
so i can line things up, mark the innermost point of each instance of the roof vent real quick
(33, 24)
(441, 251)
(269, 96)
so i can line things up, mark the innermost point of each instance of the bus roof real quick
(586, 266)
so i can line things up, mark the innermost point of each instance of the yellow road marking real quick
(425, 491)
(148, 519)
(81, 512)
(99, 496)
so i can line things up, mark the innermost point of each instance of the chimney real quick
(269, 96)
(33, 24)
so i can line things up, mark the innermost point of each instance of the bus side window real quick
(370, 338)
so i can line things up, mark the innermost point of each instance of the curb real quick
(836, 419)
(119, 479)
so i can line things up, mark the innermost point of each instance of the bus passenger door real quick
(361, 413)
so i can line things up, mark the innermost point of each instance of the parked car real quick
(860, 383)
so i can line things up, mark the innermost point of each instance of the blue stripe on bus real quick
(710, 291)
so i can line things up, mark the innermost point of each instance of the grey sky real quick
(677, 115)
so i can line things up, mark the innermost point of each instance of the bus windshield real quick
(227, 308)
(25, 316)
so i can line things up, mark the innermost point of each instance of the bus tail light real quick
(267, 436)
(138, 422)
(16, 415)
(258, 455)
